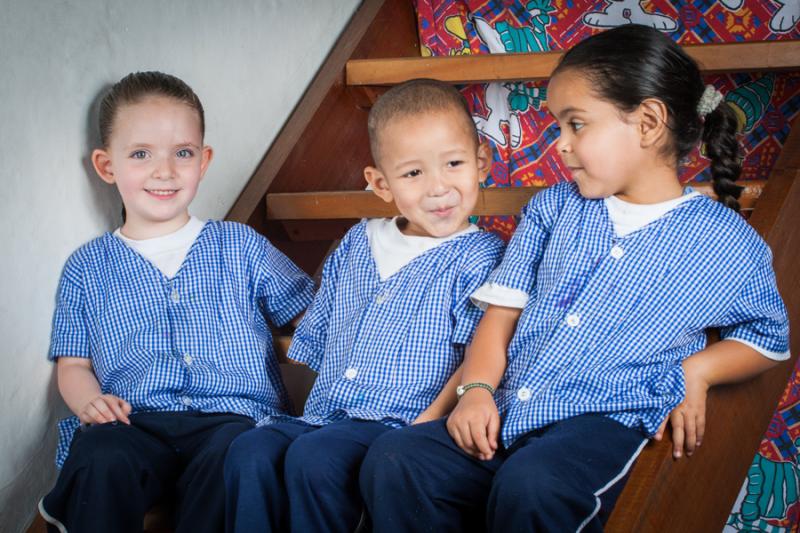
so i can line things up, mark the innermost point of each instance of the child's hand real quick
(105, 408)
(475, 423)
(688, 420)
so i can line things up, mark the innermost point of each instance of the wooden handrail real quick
(335, 205)
(480, 68)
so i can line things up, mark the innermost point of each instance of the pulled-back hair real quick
(629, 64)
(137, 86)
(416, 97)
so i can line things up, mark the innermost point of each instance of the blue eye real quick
(412, 173)
(185, 153)
(138, 154)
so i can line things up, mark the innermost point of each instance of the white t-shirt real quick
(392, 250)
(168, 251)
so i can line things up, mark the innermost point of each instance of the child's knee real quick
(107, 446)
(250, 452)
(311, 462)
(388, 455)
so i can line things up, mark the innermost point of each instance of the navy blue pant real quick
(555, 479)
(293, 476)
(116, 472)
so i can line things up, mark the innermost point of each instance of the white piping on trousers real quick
(49, 519)
(609, 485)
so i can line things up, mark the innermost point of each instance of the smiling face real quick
(431, 166)
(599, 144)
(156, 158)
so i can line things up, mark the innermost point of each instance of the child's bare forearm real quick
(77, 383)
(486, 356)
(445, 401)
(726, 361)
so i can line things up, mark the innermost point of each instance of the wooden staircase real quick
(308, 190)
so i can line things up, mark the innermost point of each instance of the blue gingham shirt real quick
(198, 341)
(385, 348)
(609, 320)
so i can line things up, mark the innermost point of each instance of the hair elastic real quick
(709, 101)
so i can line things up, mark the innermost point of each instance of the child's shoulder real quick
(99, 249)
(227, 228)
(553, 199)
(483, 241)
(720, 225)
(233, 236)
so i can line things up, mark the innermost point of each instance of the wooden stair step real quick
(481, 68)
(492, 201)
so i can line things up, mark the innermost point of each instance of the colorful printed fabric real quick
(514, 119)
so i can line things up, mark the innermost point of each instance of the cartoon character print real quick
(733, 5)
(750, 101)
(505, 38)
(505, 101)
(620, 12)
(769, 498)
(782, 21)
(787, 15)
(491, 126)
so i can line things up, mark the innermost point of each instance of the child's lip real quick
(443, 211)
(162, 193)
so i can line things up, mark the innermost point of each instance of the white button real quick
(187, 359)
(573, 320)
(350, 373)
(524, 394)
(617, 252)
(379, 299)
(175, 297)
(186, 400)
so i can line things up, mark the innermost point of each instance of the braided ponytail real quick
(722, 148)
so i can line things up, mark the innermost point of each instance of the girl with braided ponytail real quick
(594, 330)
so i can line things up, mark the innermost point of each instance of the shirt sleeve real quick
(285, 290)
(494, 294)
(465, 313)
(308, 342)
(518, 269)
(758, 317)
(70, 336)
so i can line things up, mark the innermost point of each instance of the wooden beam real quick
(491, 201)
(729, 57)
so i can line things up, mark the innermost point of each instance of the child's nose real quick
(438, 184)
(163, 169)
(562, 144)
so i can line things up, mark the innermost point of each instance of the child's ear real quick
(652, 115)
(378, 183)
(206, 155)
(484, 159)
(102, 165)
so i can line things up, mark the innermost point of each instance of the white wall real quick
(248, 60)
